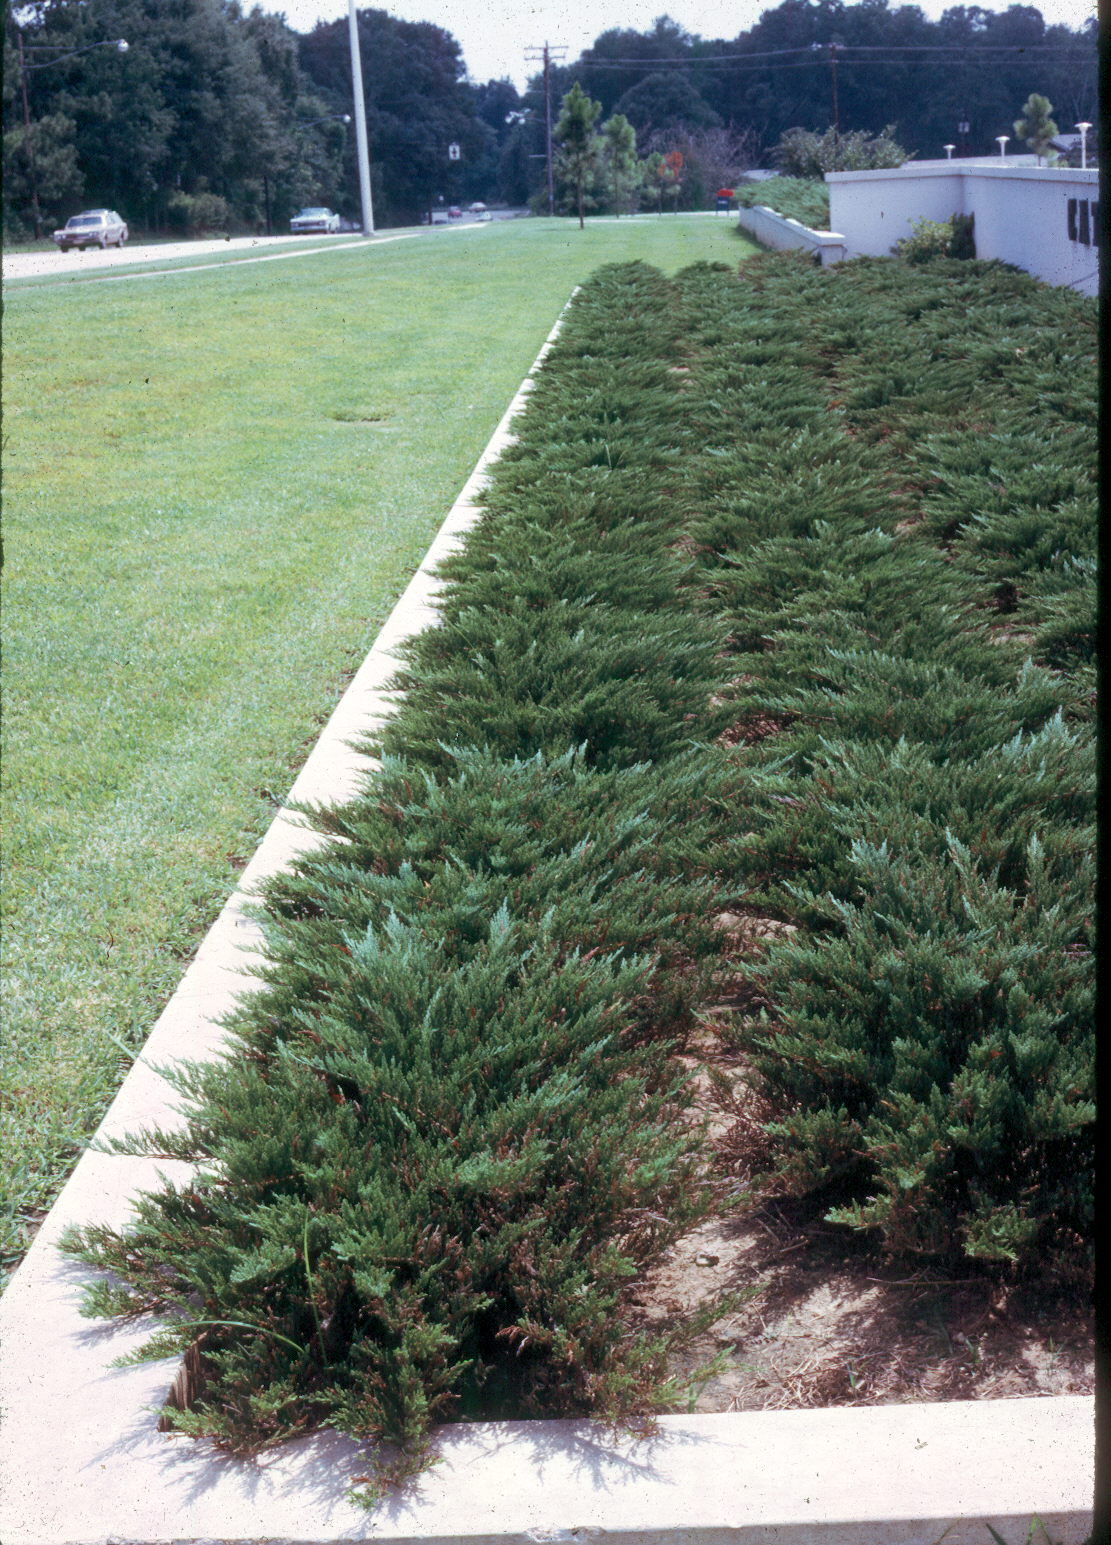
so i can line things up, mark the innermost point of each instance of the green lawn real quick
(216, 485)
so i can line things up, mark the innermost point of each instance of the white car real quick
(307, 220)
(92, 228)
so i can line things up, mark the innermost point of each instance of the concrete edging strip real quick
(83, 1464)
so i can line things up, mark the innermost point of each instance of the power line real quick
(1012, 51)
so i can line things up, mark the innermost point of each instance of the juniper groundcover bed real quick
(767, 612)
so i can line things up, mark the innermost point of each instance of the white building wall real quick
(782, 233)
(1021, 213)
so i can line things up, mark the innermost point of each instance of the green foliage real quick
(211, 99)
(579, 147)
(665, 102)
(197, 214)
(798, 198)
(934, 1038)
(963, 241)
(452, 1130)
(708, 647)
(803, 153)
(1036, 126)
(619, 157)
(40, 166)
(236, 96)
(952, 238)
(925, 1037)
(778, 73)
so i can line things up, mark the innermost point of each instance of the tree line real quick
(223, 118)
(815, 63)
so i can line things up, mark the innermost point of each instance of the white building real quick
(1043, 219)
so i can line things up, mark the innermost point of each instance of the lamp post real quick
(301, 123)
(1001, 141)
(1083, 127)
(948, 149)
(120, 44)
(360, 121)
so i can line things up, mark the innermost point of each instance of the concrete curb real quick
(83, 1463)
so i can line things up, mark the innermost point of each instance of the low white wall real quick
(1022, 213)
(780, 232)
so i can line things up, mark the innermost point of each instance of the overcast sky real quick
(496, 34)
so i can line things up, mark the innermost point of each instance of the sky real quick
(496, 35)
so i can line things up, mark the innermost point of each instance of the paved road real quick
(36, 265)
(27, 265)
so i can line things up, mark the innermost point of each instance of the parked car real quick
(92, 228)
(477, 208)
(455, 213)
(314, 219)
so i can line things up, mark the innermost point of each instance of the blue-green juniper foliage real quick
(782, 604)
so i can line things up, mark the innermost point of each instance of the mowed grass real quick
(216, 485)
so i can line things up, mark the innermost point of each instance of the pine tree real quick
(1035, 126)
(578, 144)
(620, 141)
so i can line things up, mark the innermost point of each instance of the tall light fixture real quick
(948, 149)
(1001, 141)
(120, 44)
(360, 121)
(1083, 127)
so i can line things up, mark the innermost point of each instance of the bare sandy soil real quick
(825, 1317)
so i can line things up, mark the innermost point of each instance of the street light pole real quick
(360, 121)
(1083, 127)
(302, 123)
(121, 44)
(1001, 141)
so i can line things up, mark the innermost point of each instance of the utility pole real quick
(833, 51)
(29, 144)
(547, 54)
(360, 121)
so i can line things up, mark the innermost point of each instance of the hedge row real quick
(727, 637)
